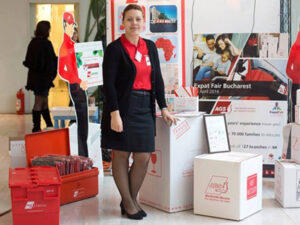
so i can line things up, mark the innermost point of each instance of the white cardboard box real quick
(297, 115)
(297, 97)
(169, 181)
(295, 142)
(228, 185)
(17, 152)
(93, 144)
(287, 183)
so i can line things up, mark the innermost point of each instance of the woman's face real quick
(133, 22)
(221, 44)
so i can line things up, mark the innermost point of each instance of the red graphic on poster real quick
(222, 107)
(166, 46)
(251, 186)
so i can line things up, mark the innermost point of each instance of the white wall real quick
(15, 36)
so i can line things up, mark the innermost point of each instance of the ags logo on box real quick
(216, 189)
(217, 185)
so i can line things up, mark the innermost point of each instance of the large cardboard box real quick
(93, 144)
(287, 183)
(295, 143)
(17, 152)
(169, 181)
(228, 185)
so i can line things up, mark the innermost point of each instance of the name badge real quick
(138, 56)
(148, 61)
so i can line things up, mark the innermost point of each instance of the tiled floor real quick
(104, 209)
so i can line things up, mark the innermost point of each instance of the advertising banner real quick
(89, 57)
(243, 76)
(164, 25)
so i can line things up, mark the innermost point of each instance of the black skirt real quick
(138, 126)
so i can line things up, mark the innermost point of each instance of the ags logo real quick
(222, 107)
(217, 185)
(29, 205)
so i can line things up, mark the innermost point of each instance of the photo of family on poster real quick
(215, 55)
(240, 66)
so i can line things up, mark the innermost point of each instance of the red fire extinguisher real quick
(20, 102)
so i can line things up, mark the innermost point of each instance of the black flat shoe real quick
(136, 216)
(143, 213)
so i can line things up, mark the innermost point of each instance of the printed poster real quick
(89, 58)
(164, 25)
(243, 76)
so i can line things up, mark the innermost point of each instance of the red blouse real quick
(139, 55)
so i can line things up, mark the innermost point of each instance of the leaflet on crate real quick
(164, 25)
(89, 58)
(243, 75)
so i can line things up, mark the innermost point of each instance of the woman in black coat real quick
(42, 64)
(132, 82)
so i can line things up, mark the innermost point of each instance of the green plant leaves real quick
(78, 59)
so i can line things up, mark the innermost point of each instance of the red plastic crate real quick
(35, 195)
(75, 186)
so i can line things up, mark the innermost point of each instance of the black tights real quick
(40, 103)
(129, 183)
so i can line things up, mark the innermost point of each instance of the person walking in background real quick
(132, 81)
(77, 88)
(42, 64)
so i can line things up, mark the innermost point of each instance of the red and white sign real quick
(251, 186)
(181, 129)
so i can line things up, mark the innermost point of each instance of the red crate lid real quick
(34, 176)
(54, 142)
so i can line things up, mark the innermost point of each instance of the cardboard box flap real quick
(228, 156)
(54, 142)
(288, 163)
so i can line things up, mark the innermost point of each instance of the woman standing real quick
(132, 82)
(42, 64)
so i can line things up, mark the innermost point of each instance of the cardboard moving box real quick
(169, 181)
(287, 183)
(228, 185)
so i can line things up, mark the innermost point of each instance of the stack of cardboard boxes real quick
(287, 172)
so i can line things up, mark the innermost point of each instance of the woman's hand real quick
(116, 123)
(227, 41)
(83, 85)
(168, 118)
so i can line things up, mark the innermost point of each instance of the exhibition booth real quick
(236, 125)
